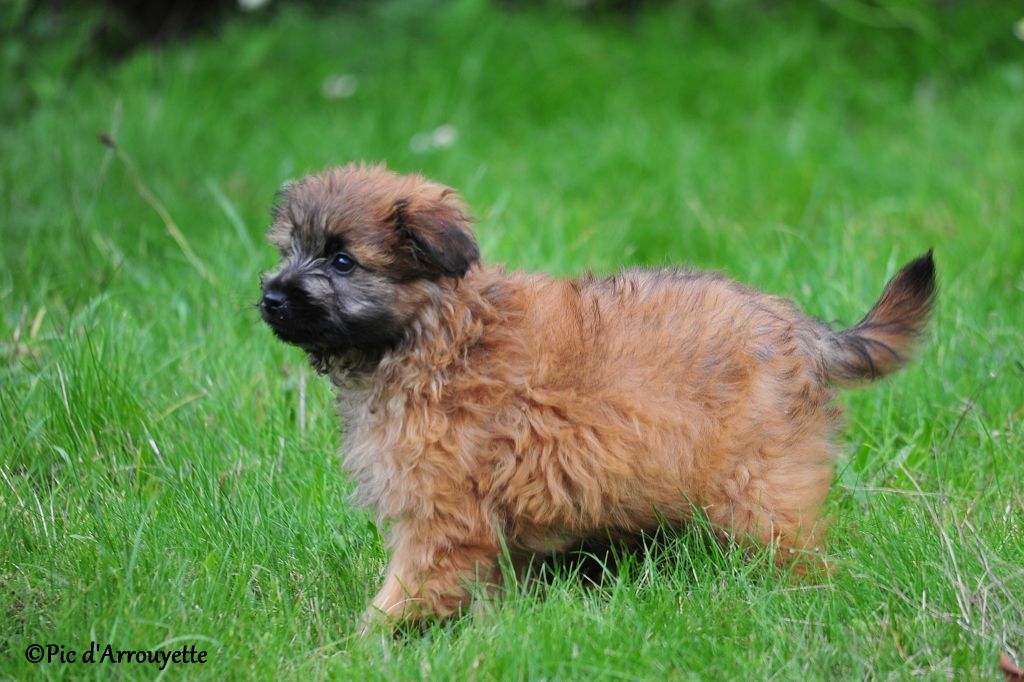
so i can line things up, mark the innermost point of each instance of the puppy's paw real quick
(375, 621)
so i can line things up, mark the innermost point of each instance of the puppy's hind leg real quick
(777, 499)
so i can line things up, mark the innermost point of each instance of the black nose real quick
(273, 299)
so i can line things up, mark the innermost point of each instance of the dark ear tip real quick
(443, 244)
(459, 254)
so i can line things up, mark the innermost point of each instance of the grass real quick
(167, 469)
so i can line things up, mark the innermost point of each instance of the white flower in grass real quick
(420, 143)
(339, 86)
(252, 5)
(445, 136)
(441, 137)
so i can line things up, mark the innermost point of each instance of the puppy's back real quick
(686, 334)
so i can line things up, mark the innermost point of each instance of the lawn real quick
(168, 468)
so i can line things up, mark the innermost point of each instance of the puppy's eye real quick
(343, 263)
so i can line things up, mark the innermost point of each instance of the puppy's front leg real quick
(432, 572)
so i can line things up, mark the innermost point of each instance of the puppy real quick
(487, 411)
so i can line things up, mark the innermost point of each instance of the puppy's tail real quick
(883, 341)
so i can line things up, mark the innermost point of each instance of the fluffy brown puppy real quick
(485, 410)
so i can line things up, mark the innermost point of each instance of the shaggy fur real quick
(485, 410)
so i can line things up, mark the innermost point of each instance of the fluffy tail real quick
(882, 342)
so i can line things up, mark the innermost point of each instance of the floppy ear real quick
(279, 232)
(436, 236)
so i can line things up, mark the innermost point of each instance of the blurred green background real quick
(166, 466)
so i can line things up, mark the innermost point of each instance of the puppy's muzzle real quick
(279, 302)
(292, 315)
(273, 300)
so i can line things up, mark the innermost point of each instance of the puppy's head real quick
(362, 250)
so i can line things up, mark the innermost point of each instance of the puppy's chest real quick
(381, 444)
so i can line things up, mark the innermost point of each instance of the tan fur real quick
(531, 412)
